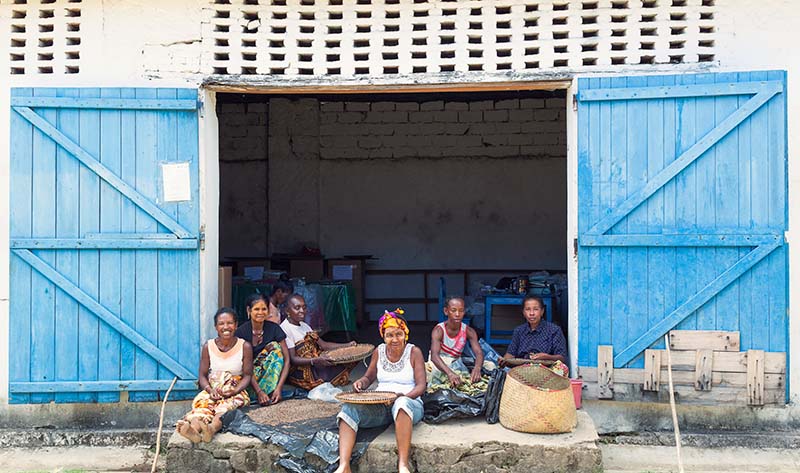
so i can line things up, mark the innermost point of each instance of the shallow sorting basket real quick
(344, 355)
(538, 401)
(527, 361)
(367, 397)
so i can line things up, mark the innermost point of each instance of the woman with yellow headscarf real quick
(398, 367)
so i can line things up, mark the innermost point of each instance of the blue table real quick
(510, 299)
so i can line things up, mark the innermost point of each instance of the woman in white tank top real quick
(399, 367)
(226, 366)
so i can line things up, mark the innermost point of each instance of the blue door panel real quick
(83, 224)
(735, 188)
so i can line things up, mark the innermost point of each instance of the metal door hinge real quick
(202, 237)
(574, 102)
(575, 249)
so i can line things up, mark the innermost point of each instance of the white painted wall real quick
(143, 43)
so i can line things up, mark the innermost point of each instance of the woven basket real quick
(538, 401)
(344, 355)
(367, 397)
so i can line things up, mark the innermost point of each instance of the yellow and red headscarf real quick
(392, 320)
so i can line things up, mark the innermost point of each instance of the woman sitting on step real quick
(226, 365)
(309, 369)
(398, 367)
(270, 354)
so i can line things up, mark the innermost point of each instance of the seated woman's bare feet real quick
(205, 432)
(343, 468)
(212, 428)
(186, 430)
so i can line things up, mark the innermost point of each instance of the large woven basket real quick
(537, 400)
(339, 356)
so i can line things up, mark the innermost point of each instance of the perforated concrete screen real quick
(45, 36)
(380, 37)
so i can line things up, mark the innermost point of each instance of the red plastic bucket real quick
(577, 389)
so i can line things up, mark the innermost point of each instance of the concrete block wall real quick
(243, 166)
(505, 128)
(477, 183)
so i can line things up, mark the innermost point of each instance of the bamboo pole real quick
(672, 406)
(161, 424)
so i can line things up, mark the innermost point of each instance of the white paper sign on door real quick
(176, 182)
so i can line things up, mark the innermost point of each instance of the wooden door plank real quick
(778, 211)
(706, 270)
(760, 209)
(685, 378)
(755, 377)
(20, 220)
(100, 386)
(775, 362)
(188, 313)
(686, 190)
(726, 204)
(147, 267)
(652, 370)
(128, 256)
(716, 340)
(89, 261)
(105, 103)
(110, 268)
(660, 286)
(620, 277)
(636, 170)
(676, 91)
(167, 142)
(703, 367)
(67, 260)
(42, 362)
(605, 371)
(722, 240)
(104, 243)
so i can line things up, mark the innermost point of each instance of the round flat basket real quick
(367, 397)
(528, 361)
(343, 355)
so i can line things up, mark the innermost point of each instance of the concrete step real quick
(459, 446)
(51, 437)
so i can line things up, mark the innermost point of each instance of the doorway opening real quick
(419, 194)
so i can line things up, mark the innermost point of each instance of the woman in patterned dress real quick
(270, 353)
(226, 366)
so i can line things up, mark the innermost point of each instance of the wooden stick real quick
(161, 424)
(672, 406)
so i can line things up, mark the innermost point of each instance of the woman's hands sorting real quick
(360, 384)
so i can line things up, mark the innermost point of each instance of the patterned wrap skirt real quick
(205, 408)
(267, 367)
(309, 377)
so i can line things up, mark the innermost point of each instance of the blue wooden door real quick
(682, 189)
(104, 273)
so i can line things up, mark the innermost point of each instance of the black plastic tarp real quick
(317, 437)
